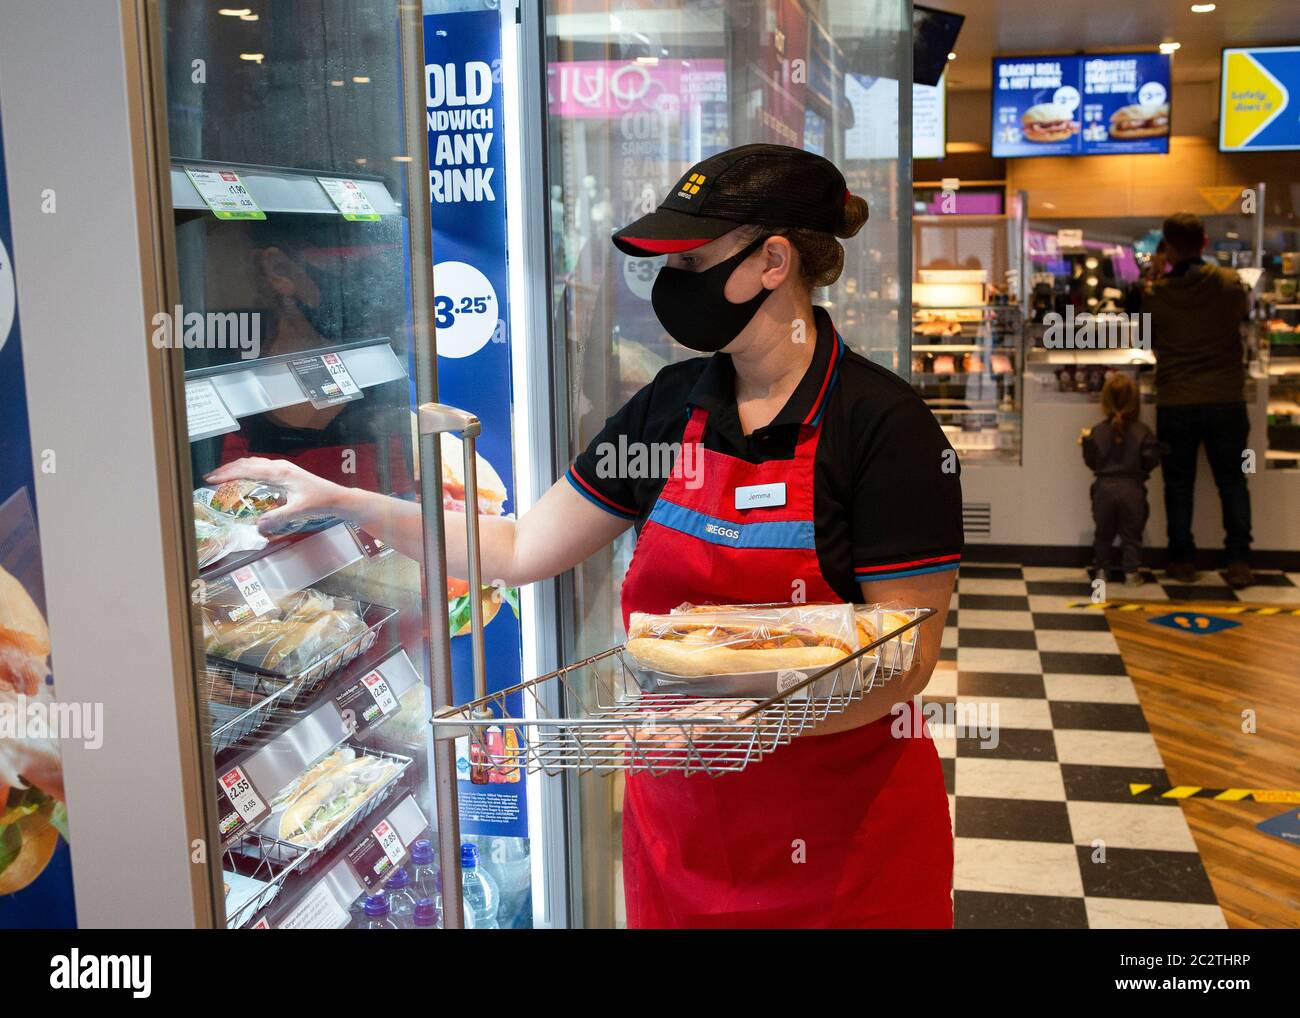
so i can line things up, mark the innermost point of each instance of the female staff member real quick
(807, 474)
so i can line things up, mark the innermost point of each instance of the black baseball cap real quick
(766, 185)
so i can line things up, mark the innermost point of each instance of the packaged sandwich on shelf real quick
(217, 535)
(308, 637)
(327, 798)
(739, 650)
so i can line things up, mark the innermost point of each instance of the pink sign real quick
(610, 88)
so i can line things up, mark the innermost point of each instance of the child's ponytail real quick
(1120, 402)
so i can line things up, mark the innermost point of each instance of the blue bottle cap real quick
(468, 855)
(377, 905)
(425, 913)
(399, 879)
(422, 852)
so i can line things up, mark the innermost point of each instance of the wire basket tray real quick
(301, 685)
(279, 852)
(620, 727)
(264, 859)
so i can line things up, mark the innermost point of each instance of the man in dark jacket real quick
(1196, 313)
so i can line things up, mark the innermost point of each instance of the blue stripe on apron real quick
(768, 534)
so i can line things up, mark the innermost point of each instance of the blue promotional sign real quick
(1190, 622)
(1286, 826)
(35, 866)
(1112, 104)
(467, 196)
(1259, 108)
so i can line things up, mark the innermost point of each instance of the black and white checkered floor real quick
(1047, 833)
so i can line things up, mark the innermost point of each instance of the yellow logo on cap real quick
(691, 186)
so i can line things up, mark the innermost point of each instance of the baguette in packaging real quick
(711, 640)
(876, 620)
(310, 627)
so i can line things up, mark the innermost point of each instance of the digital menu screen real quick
(1113, 104)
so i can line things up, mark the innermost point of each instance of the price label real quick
(366, 702)
(390, 841)
(349, 199)
(243, 806)
(261, 924)
(251, 590)
(325, 380)
(225, 194)
(369, 543)
(377, 854)
(381, 691)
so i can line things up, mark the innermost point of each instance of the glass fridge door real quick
(305, 339)
(636, 94)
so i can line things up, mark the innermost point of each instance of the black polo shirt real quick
(887, 498)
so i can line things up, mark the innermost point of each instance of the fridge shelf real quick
(236, 712)
(278, 189)
(256, 386)
(622, 727)
(255, 857)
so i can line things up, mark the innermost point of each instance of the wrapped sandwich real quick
(321, 806)
(211, 534)
(875, 620)
(311, 628)
(710, 640)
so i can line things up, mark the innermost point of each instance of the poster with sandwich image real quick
(1102, 104)
(35, 866)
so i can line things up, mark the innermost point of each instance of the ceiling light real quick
(337, 84)
(401, 159)
(248, 17)
(1203, 8)
(952, 56)
(361, 80)
(254, 57)
(1169, 47)
(235, 12)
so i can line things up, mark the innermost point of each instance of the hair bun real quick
(853, 217)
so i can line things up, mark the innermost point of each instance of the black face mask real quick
(695, 311)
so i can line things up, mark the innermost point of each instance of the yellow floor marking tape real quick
(1221, 794)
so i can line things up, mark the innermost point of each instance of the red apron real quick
(842, 830)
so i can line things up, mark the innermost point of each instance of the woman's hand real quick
(307, 494)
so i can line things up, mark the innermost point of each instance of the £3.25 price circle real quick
(465, 309)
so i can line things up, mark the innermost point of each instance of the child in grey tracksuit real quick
(1121, 451)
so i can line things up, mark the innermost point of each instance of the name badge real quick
(754, 495)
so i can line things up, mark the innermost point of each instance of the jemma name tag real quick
(752, 496)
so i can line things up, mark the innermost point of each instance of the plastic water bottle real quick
(478, 889)
(509, 863)
(426, 915)
(401, 902)
(377, 917)
(424, 872)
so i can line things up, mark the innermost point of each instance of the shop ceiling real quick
(998, 27)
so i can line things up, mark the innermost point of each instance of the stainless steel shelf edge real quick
(279, 191)
(258, 386)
